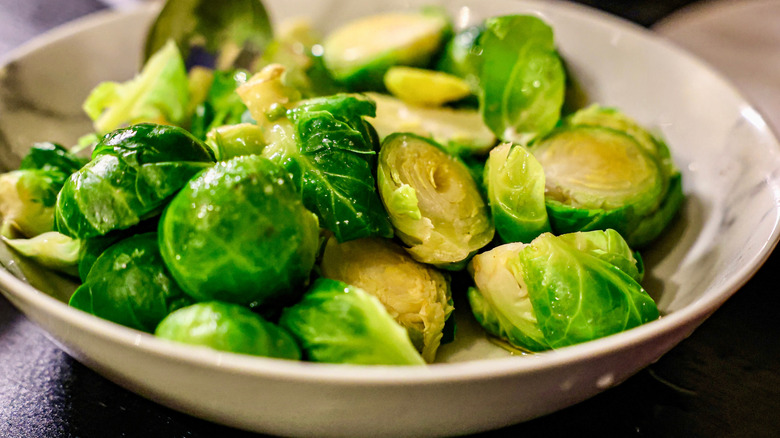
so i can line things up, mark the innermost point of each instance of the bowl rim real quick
(347, 374)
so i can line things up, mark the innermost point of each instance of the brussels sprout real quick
(158, 94)
(559, 290)
(328, 148)
(133, 172)
(596, 115)
(599, 178)
(651, 225)
(417, 86)
(228, 327)
(460, 131)
(416, 295)
(360, 52)
(50, 249)
(515, 186)
(522, 78)
(338, 323)
(28, 195)
(51, 157)
(453, 221)
(27, 199)
(91, 248)
(237, 232)
(130, 285)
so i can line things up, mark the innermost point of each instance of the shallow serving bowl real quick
(730, 162)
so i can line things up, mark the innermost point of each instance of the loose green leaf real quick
(522, 78)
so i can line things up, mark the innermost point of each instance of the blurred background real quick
(723, 381)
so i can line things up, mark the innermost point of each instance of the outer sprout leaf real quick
(338, 323)
(228, 327)
(130, 285)
(522, 78)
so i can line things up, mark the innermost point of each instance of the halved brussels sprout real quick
(339, 323)
(423, 87)
(228, 327)
(28, 194)
(130, 285)
(460, 131)
(133, 172)
(651, 225)
(27, 198)
(238, 232)
(360, 52)
(454, 220)
(559, 290)
(416, 295)
(515, 187)
(598, 178)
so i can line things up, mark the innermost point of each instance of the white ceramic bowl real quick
(726, 230)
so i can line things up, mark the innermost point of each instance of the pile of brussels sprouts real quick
(335, 202)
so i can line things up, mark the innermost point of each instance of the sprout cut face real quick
(600, 169)
(360, 52)
(453, 220)
(415, 294)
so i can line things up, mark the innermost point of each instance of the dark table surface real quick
(723, 381)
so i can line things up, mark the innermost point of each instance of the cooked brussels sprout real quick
(515, 186)
(27, 199)
(130, 285)
(158, 94)
(339, 323)
(28, 194)
(654, 223)
(423, 87)
(460, 131)
(238, 232)
(228, 327)
(133, 172)
(51, 157)
(329, 149)
(360, 52)
(416, 295)
(50, 249)
(522, 78)
(599, 178)
(559, 290)
(451, 221)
